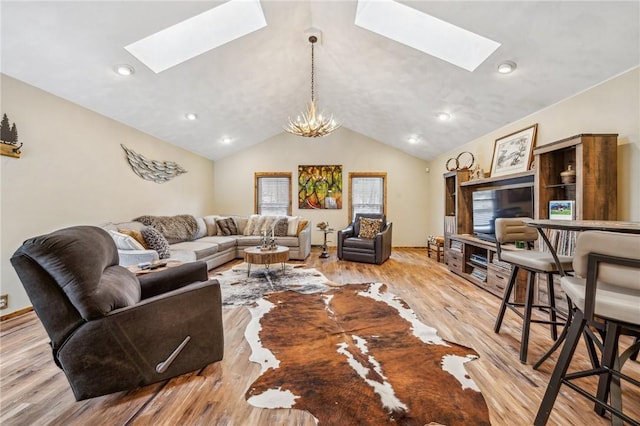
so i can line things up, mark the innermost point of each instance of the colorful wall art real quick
(320, 187)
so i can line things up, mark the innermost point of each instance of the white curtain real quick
(367, 195)
(273, 196)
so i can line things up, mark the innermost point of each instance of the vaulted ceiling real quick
(245, 90)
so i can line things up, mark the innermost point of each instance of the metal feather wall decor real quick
(153, 170)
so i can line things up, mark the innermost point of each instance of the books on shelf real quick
(562, 209)
(479, 259)
(479, 273)
(563, 241)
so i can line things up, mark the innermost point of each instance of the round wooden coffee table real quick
(257, 256)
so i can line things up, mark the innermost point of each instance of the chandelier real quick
(311, 124)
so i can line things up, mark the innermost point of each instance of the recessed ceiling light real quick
(124, 69)
(424, 32)
(413, 140)
(506, 67)
(226, 140)
(198, 34)
(191, 116)
(444, 116)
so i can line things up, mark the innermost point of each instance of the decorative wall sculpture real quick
(320, 187)
(9, 138)
(153, 170)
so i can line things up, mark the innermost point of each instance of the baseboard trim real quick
(16, 313)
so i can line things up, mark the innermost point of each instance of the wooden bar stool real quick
(438, 247)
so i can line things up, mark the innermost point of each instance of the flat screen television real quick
(505, 201)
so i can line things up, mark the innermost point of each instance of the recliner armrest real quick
(128, 343)
(172, 278)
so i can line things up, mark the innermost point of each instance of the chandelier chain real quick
(311, 124)
(312, 73)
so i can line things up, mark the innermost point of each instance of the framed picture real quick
(512, 153)
(320, 187)
(562, 209)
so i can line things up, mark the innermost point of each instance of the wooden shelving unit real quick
(594, 157)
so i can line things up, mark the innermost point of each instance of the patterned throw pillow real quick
(156, 241)
(227, 226)
(369, 227)
(280, 227)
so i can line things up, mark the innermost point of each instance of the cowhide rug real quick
(238, 289)
(357, 355)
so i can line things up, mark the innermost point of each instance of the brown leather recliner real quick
(368, 250)
(110, 330)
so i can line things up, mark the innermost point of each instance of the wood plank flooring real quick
(33, 391)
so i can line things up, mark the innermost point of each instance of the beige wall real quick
(611, 107)
(407, 202)
(73, 171)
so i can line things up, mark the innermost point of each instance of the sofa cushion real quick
(359, 243)
(125, 242)
(156, 241)
(222, 242)
(280, 227)
(369, 227)
(227, 226)
(287, 241)
(190, 251)
(249, 241)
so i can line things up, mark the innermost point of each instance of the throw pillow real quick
(241, 223)
(227, 226)
(156, 241)
(292, 231)
(251, 224)
(280, 227)
(212, 228)
(369, 227)
(259, 225)
(125, 242)
(202, 228)
(267, 225)
(302, 223)
(136, 236)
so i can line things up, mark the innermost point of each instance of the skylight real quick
(199, 34)
(424, 32)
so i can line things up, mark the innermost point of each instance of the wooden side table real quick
(438, 247)
(257, 256)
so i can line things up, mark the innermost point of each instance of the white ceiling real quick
(246, 90)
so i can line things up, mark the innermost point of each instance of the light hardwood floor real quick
(33, 391)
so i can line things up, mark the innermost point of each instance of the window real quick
(273, 193)
(367, 193)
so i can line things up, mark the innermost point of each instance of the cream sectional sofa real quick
(210, 245)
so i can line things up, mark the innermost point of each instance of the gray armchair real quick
(110, 330)
(352, 246)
